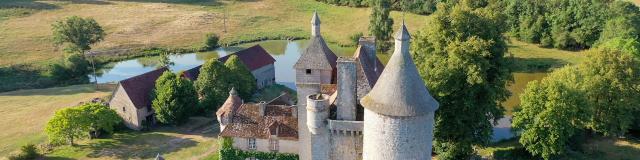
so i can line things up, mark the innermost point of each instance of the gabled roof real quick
(254, 57)
(139, 87)
(400, 90)
(317, 56)
(248, 123)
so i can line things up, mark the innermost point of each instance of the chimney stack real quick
(369, 46)
(346, 99)
(263, 106)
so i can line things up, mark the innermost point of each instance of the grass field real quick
(195, 140)
(25, 112)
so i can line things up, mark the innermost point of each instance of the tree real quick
(174, 99)
(164, 60)
(244, 82)
(213, 85)
(611, 81)
(380, 24)
(78, 32)
(461, 59)
(553, 111)
(67, 125)
(101, 118)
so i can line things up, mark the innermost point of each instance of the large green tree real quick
(244, 82)
(101, 118)
(460, 56)
(552, 112)
(611, 80)
(78, 32)
(380, 24)
(67, 125)
(213, 85)
(174, 99)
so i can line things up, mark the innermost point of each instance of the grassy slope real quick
(194, 140)
(25, 112)
(27, 39)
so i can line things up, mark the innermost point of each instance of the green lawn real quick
(197, 139)
(25, 112)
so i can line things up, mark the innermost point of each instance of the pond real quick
(286, 54)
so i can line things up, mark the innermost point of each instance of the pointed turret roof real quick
(315, 19)
(231, 104)
(400, 90)
(403, 33)
(317, 56)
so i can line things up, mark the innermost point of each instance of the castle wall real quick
(346, 139)
(316, 76)
(304, 136)
(317, 115)
(397, 138)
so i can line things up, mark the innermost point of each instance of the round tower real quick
(398, 116)
(317, 115)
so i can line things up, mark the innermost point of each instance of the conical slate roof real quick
(317, 56)
(402, 34)
(400, 91)
(316, 19)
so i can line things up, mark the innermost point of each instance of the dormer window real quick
(308, 71)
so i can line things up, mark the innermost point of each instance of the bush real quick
(211, 41)
(27, 152)
(355, 38)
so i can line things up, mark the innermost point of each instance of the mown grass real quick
(532, 58)
(194, 140)
(594, 148)
(25, 112)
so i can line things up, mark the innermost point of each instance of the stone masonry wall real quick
(265, 76)
(121, 103)
(397, 138)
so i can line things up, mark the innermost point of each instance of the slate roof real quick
(317, 56)
(367, 71)
(315, 19)
(254, 57)
(400, 90)
(139, 87)
(403, 33)
(248, 123)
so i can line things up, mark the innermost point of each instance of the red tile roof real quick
(253, 57)
(248, 123)
(139, 87)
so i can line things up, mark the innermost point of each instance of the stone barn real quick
(256, 58)
(132, 101)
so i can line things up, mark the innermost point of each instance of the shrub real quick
(27, 152)
(211, 41)
(355, 38)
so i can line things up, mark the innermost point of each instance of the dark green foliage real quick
(415, 6)
(571, 24)
(78, 32)
(461, 59)
(380, 23)
(27, 152)
(211, 41)
(174, 99)
(164, 60)
(100, 117)
(243, 80)
(227, 152)
(213, 85)
(553, 111)
(75, 66)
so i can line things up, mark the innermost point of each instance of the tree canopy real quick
(380, 24)
(78, 32)
(244, 82)
(213, 85)
(174, 99)
(73, 123)
(461, 59)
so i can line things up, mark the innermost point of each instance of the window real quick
(273, 143)
(124, 110)
(252, 143)
(308, 71)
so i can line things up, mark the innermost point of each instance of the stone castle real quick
(358, 109)
(348, 108)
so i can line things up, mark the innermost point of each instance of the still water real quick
(286, 54)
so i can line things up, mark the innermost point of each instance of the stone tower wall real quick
(346, 100)
(346, 139)
(317, 115)
(397, 138)
(304, 136)
(316, 76)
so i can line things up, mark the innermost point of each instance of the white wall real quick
(262, 145)
(265, 75)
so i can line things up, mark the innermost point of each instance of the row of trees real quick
(572, 24)
(601, 95)
(175, 99)
(415, 6)
(84, 121)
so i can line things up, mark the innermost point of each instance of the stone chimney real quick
(294, 111)
(368, 44)
(346, 99)
(262, 107)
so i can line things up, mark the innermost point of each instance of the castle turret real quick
(399, 110)
(346, 100)
(317, 115)
(315, 67)
(228, 108)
